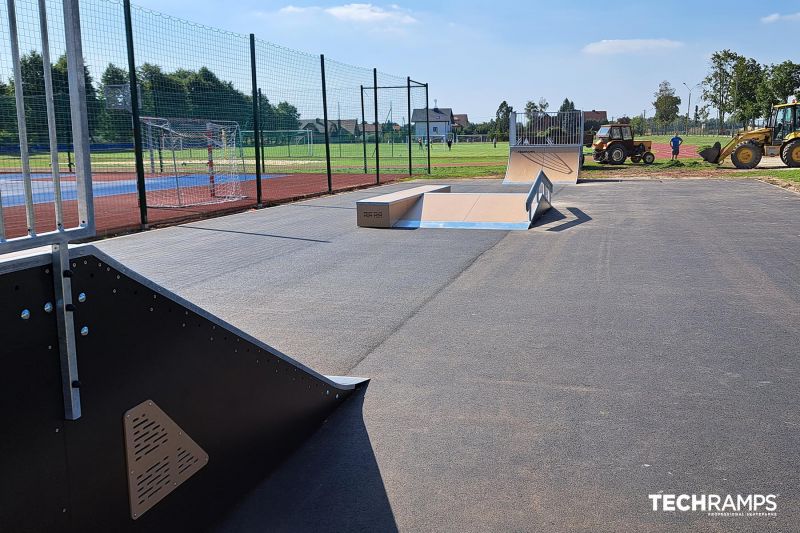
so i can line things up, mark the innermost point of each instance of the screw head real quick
(84, 331)
(48, 307)
(82, 297)
(25, 314)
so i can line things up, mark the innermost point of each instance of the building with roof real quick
(440, 120)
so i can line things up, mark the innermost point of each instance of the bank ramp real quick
(437, 207)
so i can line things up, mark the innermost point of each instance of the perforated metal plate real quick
(160, 456)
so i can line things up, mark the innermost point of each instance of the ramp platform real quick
(182, 413)
(421, 208)
(561, 163)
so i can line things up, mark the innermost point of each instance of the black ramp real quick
(244, 404)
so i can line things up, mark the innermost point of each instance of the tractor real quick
(781, 137)
(614, 143)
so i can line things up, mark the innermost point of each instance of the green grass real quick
(696, 140)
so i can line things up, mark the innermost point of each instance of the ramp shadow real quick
(187, 226)
(580, 218)
(332, 483)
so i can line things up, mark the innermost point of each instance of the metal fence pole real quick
(428, 127)
(363, 130)
(137, 126)
(325, 120)
(377, 138)
(22, 125)
(408, 83)
(261, 132)
(257, 144)
(51, 115)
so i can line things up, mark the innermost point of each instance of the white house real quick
(440, 119)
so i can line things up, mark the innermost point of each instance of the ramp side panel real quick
(560, 163)
(245, 404)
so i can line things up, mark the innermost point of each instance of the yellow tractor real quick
(781, 137)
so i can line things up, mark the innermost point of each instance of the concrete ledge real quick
(384, 210)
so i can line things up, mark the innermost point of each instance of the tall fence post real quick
(135, 118)
(377, 138)
(512, 128)
(408, 83)
(325, 120)
(261, 132)
(256, 127)
(363, 130)
(428, 127)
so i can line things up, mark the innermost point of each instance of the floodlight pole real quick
(255, 117)
(325, 122)
(408, 83)
(377, 139)
(137, 126)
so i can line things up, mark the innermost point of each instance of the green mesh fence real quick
(194, 82)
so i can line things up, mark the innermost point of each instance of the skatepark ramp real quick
(436, 207)
(552, 142)
(182, 414)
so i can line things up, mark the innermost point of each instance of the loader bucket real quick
(711, 154)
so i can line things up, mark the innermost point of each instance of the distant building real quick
(460, 122)
(440, 119)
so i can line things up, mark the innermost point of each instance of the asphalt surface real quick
(641, 339)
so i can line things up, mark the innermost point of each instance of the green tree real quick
(638, 124)
(287, 117)
(114, 125)
(566, 105)
(666, 103)
(718, 83)
(748, 75)
(502, 116)
(531, 110)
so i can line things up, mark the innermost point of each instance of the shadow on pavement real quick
(332, 483)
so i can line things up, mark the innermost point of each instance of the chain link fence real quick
(211, 112)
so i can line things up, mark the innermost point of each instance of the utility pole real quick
(689, 103)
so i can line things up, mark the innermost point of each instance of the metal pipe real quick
(325, 120)
(22, 125)
(428, 127)
(363, 130)
(377, 138)
(135, 118)
(255, 117)
(408, 85)
(51, 116)
(2, 220)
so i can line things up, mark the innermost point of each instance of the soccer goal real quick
(472, 138)
(288, 142)
(192, 161)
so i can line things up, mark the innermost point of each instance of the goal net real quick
(473, 138)
(288, 143)
(191, 162)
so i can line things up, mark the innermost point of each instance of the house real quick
(598, 116)
(440, 119)
(460, 122)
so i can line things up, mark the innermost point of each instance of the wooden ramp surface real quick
(560, 163)
(504, 211)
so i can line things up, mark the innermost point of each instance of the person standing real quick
(676, 143)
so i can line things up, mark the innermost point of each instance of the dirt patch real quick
(783, 184)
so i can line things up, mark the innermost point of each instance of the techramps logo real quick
(719, 505)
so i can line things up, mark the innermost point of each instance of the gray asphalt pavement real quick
(641, 339)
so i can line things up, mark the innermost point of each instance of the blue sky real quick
(476, 54)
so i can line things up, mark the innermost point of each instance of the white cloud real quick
(370, 13)
(358, 13)
(630, 46)
(776, 17)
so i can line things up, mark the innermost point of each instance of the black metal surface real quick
(363, 130)
(377, 128)
(711, 154)
(245, 404)
(33, 488)
(408, 88)
(428, 127)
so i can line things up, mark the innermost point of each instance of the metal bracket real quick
(66, 332)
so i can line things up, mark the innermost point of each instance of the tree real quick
(502, 116)
(566, 105)
(624, 120)
(666, 103)
(717, 85)
(115, 125)
(748, 76)
(638, 124)
(531, 110)
(543, 105)
(287, 117)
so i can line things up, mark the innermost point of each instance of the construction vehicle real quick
(781, 137)
(614, 143)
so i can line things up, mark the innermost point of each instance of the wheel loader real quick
(781, 137)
